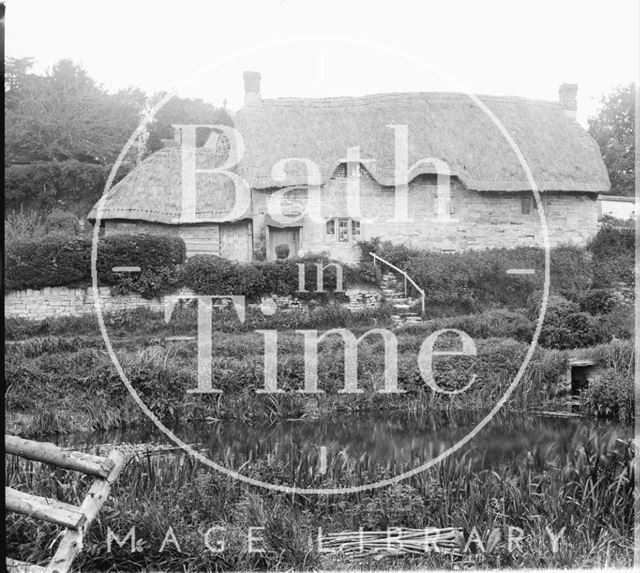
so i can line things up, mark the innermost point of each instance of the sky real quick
(315, 48)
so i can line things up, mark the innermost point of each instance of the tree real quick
(183, 110)
(65, 114)
(614, 130)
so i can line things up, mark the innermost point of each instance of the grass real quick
(67, 386)
(63, 381)
(588, 491)
(68, 383)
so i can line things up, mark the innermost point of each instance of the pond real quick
(392, 442)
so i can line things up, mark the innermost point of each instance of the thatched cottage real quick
(490, 203)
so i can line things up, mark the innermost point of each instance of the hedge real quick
(58, 261)
(208, 274)
(474, 280)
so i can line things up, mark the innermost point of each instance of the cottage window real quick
(341, 171)
(331, 228)
(353, 169)
(526, 205)
(343, 230)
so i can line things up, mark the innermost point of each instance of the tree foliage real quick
(183, 110)
(614, 130)
(65, 114)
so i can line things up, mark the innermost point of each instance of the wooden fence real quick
(76, 520)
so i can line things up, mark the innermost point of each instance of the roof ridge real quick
(338, 101)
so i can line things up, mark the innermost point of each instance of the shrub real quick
(282, 251)
(596, 301)
(211, 275)
(62, 223)
(565, 326)
(208, 274)
(610, 396)
(47, 262)
(66, 261)
(21, 225)
(613, 250)
(619, 323)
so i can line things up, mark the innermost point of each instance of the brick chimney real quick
(251, 88)
(567, 98)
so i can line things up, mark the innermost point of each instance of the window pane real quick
(355, 228)
(343, 230)
(331, 227)
(526, 205)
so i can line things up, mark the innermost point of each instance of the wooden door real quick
(236, 241)
(290, 237)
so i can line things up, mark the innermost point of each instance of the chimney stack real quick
(567, 98)
(251, 88)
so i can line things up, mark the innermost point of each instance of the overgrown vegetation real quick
(49, 378)
(43, 186)
(613, 251)
(475, 280)
(585, 486)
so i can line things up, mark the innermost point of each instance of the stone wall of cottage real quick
(478, 220)
(60, 301)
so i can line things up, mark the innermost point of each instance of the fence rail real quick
(406, 278)
(76, 520)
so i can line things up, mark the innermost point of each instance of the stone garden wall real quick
(60, 301)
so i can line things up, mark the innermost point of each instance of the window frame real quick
(332, 223)
(345, 224)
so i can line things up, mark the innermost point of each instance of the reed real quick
(588, 491)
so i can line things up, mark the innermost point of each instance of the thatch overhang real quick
(152, 192)
(447, 126)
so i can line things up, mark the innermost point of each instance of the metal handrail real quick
(406, 278)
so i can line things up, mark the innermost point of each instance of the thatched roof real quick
(448, 126)
(152, 191)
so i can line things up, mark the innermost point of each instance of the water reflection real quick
(391, 441)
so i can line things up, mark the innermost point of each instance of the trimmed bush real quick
(211, 275)
(208, 274)
(66, 262)
(282, 251)
(47, 262)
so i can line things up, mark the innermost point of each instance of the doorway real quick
(289, 236)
